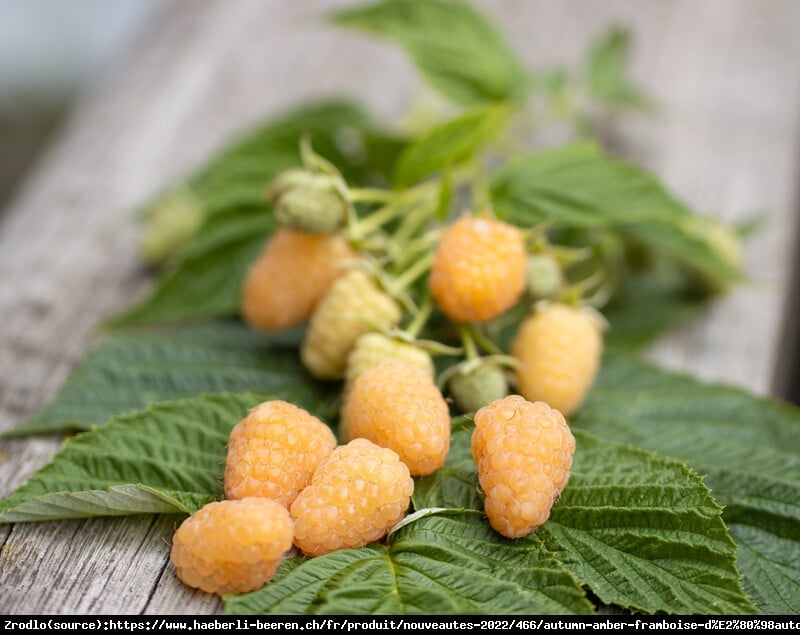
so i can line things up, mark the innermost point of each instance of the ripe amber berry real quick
(373, 348)
(232, 546)
(397, 405)
(357, 495)
(354, 305)
(523, 452)
(559, 349)
(479, 269)
(274, 451)
(293, 272)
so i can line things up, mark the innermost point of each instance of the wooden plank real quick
(726, 141)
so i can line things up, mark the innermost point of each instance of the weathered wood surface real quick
(725, 72)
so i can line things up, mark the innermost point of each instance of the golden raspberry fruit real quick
(293, 272)
(355, 304)
(397, 405)
(479, 269)
(523, 452)
(373, 348)
(232, 546)
(274, 451)
(357, 495)
(559, 349)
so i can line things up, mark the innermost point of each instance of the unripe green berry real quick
(545, 277)
(169, 223)
(724, 243)
(309, 201)
(475, 388)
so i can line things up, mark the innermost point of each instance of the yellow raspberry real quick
(274, 451)
(293, 272)
(523, 452)
(373, 348)
(232, 546)
(397, 405)
(559, 349)
(479, 269)
(358, 494)
(354, 305)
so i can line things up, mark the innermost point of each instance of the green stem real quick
(411, 250)
(468, 342)
(313, 161)
(371, 195)
(479, 186)
(407, 278)
(419, 214)
(381, 216)
(421, 317)
(485, 342)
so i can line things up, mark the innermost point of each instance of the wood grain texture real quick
(726, 141)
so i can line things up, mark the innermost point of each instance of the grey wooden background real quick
(726, 73)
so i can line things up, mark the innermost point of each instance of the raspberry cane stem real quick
(468, 342)
(395, 203)
(396, 286)
(409, 248)
(420, 318)
(482, 341)
(371, 195)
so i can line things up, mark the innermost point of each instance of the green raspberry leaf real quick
(451, 143)
(204, 259)
(648, 304)
(169, 458)
(446, 563)
(643, 532)
(748, 447)
(487, 69)
(643, 306)
(455, 484)
(130, 370)
(639, 530)
(239, 173)
(249, 162)
(607, 70)
(206, 280)
(577, 186)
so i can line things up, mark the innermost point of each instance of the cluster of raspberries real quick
(290, 483)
